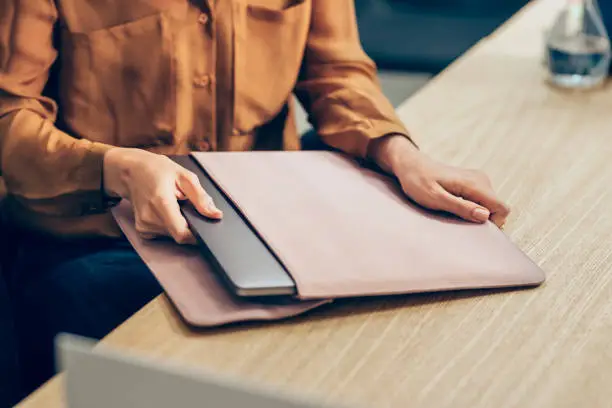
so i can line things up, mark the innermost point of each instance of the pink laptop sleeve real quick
(192, 286)
(341, 231)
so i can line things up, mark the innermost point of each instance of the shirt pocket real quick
(120, 83)
(270, 41)
(275, 10)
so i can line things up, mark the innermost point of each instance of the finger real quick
(149, 232)
(189, 184)
(147, 229)
(176, 225)
(499, 218)
(466, 209)
(148, 236)
(480, 194)
(180, 195)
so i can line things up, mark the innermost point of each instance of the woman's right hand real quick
(154, 184)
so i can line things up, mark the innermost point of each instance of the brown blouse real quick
(172, 76)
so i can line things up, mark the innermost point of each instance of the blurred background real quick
(412, 40)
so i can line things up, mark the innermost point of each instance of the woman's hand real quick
(465, 193)
(154, 184)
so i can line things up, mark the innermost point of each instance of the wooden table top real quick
(549, 153)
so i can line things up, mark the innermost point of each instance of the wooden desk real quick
(550, 155)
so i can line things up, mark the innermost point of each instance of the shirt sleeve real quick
(338, 86)
(45, 169)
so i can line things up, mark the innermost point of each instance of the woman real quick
(94, 94)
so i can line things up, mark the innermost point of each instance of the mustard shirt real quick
(171, 76)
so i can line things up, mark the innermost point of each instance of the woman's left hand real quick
(465, 193)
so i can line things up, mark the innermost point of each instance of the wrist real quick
(393, 151)
(116, 173)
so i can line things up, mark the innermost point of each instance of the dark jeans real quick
(84, 287)
(9, 373)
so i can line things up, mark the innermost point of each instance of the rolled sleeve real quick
(338, 85)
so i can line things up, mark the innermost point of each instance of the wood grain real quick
(549, 154)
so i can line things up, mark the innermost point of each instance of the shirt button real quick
(203, 19)
(201, 81)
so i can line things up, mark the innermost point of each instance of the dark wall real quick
(427, 35)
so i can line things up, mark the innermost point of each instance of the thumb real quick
(468, 210)
(190, 186)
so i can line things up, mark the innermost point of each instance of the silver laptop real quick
(257, 271)
(103, 378)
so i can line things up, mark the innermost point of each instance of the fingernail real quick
(210, 204)
(480, 214)
(214, 210)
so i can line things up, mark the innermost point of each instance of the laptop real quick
(103, 377)
(242, 259)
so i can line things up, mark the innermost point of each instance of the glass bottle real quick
(578, 46)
